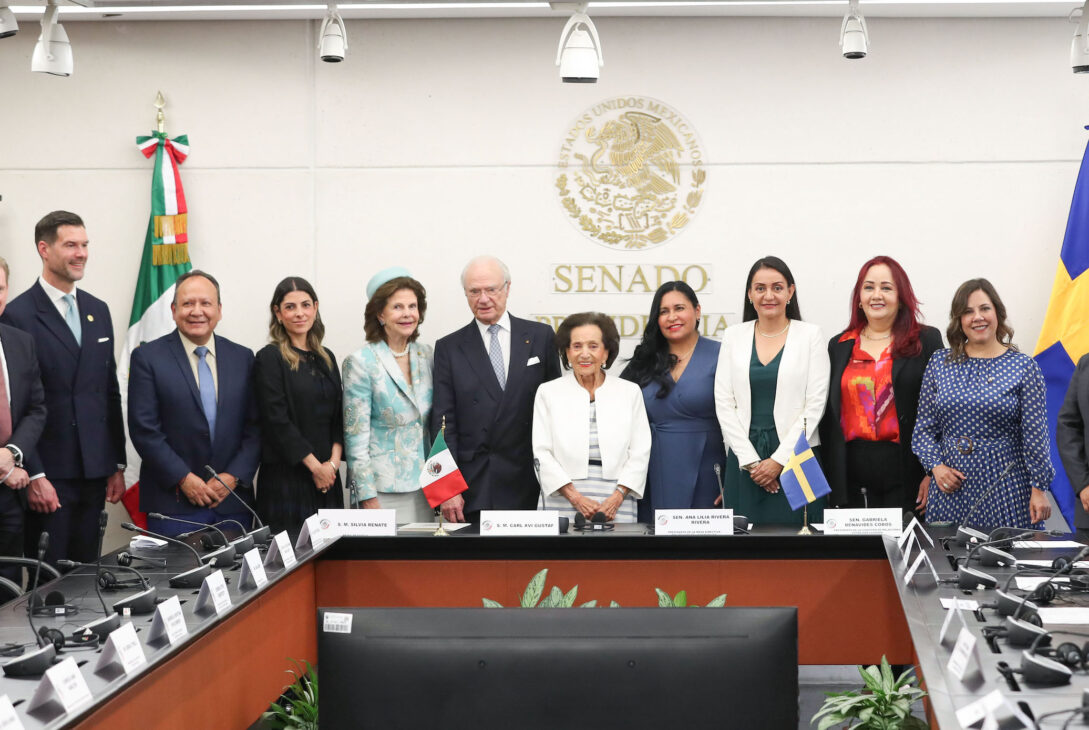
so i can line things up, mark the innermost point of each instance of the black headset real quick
(81, 640)
(52, 605)
(126, 559)
(107, 581)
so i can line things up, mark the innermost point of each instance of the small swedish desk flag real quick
(1064, 338)
(802, 479)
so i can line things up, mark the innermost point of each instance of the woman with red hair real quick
(873, 395)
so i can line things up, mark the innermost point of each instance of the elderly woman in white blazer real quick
(772, 379)
(591, 437)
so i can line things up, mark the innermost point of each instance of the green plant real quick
(883, 704)
(557, 598)
(298, 707)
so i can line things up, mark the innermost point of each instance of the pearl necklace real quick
(402, 353)
(774, 335)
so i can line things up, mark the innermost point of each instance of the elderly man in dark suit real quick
(80, 459)
(191, 404)
(1072, 439)
(22, 418)
(486, 376)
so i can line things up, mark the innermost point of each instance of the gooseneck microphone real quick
(721, 490)
(967, 534)
(242, 544)
(109, 621)
(139, 603)
(223, 555)
(262, 535)
(1062, 571)
(37, 661)
(190, 578)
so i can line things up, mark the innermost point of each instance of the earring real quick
(381, 323)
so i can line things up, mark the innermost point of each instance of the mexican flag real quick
(440, 478)
(165, 258)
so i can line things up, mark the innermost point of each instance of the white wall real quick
(954, 147)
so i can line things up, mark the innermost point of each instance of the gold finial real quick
(160, 119)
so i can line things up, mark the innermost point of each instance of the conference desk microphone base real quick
(191, 578)
(33, 664)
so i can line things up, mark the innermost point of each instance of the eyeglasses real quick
(491, 291)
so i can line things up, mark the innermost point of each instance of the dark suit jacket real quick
(168, 427)
(1072, 438)
(25, 386)
(907, 377)
(488, 430)
(84, 436)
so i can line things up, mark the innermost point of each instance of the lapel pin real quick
(90, 318)
(527, 342)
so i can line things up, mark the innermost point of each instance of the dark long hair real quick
(905, 329)
(278, 334)
(793, 311)
(955, 332)
(652, 360)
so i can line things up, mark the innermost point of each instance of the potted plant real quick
(883, 704)
(297, 707)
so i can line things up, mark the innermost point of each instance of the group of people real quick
(533, 418)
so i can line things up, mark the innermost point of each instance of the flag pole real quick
(441, 532)
(805, 509)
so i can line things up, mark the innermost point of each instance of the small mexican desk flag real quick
(802, 479)
(440, 478)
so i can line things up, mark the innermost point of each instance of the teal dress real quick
(742, 493)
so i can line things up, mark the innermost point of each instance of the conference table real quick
(848, 590)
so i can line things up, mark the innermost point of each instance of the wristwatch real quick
(16, 454)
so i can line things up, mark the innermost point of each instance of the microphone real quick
(224, 555)
(189, 579)
(139, 603)
(966, 534)
(109, 621)
(721, 490)
(37, 661)
(1062, 571)
(242, 544)
(991, 556)
(865, 498)
(262, 535)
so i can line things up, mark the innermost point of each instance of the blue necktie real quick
(207, 389)
(72, 318)
(495, 354)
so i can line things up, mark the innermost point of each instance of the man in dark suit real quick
(1072, 439)
(22, 418)
(80, 459)
(191, 404)
(485, 379)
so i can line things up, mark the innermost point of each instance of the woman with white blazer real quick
(591, 437)
(772, 381)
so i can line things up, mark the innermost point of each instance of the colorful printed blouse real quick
(867, 407)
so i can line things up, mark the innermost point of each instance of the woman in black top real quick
(299, 400)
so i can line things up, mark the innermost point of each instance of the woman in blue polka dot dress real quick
(981, 408)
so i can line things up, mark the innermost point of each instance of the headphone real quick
(82, 640)
(1068, 653)
(126, 559)
(53, 605)
(107, 581)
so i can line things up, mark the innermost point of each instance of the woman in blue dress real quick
(675, 368)
(982, 411)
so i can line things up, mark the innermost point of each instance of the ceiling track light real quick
(854, 38)
(1079, 47)
(8, 24)
(332, 38)
(52, 52)
(579, 53)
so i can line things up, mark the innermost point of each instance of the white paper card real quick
(169, 622)
(253, 571)
(507, 522)
(1083, 564)
(966, 603)
(141, 542)
(914, 567)
(1046, 544)
(280, 552)
(905, 550)
(122, 647)
(361, 522)
(1064, 614)
(952, 619)
(693, 522)
(862, 521)
(907, 531)
(337, 623)
(316, 531)
(8, 719)
(213, 594)
(963, 654)
(980, 709)
(64, 683)
(1028, 583)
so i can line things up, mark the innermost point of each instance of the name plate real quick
(213, 596)
(693, 522)
(62, 683)
(964, 656)
(253, 571)
(862, 521)
(519, 522)
(8, 719)
(122, 647)
(316, 532)
(361, 522)
(169, 622)
(280, 553)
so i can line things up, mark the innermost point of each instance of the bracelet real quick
(10, 472)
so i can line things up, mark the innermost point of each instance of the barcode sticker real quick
(337, 623)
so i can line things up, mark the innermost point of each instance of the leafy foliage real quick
(883, 704)
(298, 705)
(556, 598)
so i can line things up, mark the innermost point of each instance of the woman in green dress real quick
(771, 382)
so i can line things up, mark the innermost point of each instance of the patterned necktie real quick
(207, 389)
(72, 318)
(5, 411)
(495, 354)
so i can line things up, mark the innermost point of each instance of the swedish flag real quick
(1064, 337)
(802, 479)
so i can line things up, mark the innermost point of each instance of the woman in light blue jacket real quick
(387, 400)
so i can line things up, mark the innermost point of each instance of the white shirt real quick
(7, 392)
(57, 297)
(194, 359)
(504, 339)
